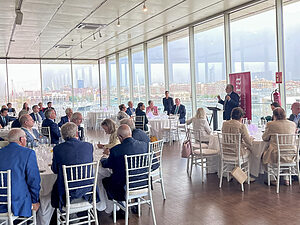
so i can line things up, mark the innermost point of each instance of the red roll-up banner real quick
(242, 86)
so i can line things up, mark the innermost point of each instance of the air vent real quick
(90, 26)
(63, 46)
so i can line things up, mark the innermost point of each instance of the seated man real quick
(16, 123)
(115, 184)
(41, 110)
(179, 109)
(11, 109)
(66, 118)
(71, 152)
(4, 119)
(49, 106)
(295, 116)
(49, 122)
(36, 115)
(137, 134)
(25, 176)
(130, 110)
(32, 135)
(77, 119)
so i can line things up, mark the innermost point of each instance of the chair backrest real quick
(156, 148)
(173, 122)
(139, 122)
(230, 145)
(5, 190)
(287, 146)
(138, 168)
(81, 176)
(195, 139)
(3, 143)
(45, 131)
(148, 133)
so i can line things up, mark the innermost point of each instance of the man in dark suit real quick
(168, 103)
(295, 116)
(11, 109)
(36, 115)
(49, 122)
(25, 176)
(16, 123)
(66, 118)
(71, 152)
(179, 109)
(49, 106)
(137, 134)
(4, 119)
(130, 110)
(231, 101)
(77, 119)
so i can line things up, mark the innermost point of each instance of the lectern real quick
(214, 117)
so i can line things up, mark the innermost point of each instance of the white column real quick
(100, 88)
(7, 87)
(192, 69)
(72, 84)
(118, 77)
(107, 81)
(166, 62)
(146, 72)
(130, 73)
(227, 46)
(41, 79)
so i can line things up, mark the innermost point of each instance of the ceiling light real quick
(80, 44)
(94, 37)
(145, 7)
(118, 23)
(100, 35)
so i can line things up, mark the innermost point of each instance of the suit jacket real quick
(16, 124)
(25, 178)
(4, 124)
(44, 109)
(42, 115)
(63, 120)
(139, 112)
(229, 105)
(140, 135)
(276, 127)
(80, 133)
(35, 119)
(292, 117)
(130, 111)
(54, 130)
(181, 112)
(32, 139)
(71, 152)
(168, 104)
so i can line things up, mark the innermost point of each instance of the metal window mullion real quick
(100, 88)
(41, 79)
(227, 45)
(118, 77)
(72, 82)
(107, 81)
(166, 62)
(192, 69)
(7, 86)
(146, 71)
(130, 73)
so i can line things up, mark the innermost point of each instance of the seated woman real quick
(25, 106)
(110, 127)
(152, 108)
(200, 123)
(122, 113)
(140, 113)
(235, 126)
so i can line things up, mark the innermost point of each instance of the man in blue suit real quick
(32, 135)
(179, 109)
(36, 114)
(77, 119)
(49, 122)
(4, 119)
(71, 152)
(66, 118)
(16, 123)
(231, 101)
(130, 110)
(137, 134)
(25, 176)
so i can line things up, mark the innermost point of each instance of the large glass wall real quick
(86, 86)
(113, 81)
(24, 82)
(57, 85)
(103, 82)
(124, 77)
(3, 85)
(179, 67)
(291, 21)
(138, 75)
(156, 72)
(253, 45)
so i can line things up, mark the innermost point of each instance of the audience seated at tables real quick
(122, 113)
(32, 135)
(25, 107)
(16, 123)
(66, 118)
(110, 127)
(179, 109)
(130, 110)
(200, 123)
(273, 105)
(168, 103)
(11, 109)
(70, 152)
(49, 122)
(25, 176)
(140, 112)
(295, 116)
(4, 119)
(36, 115)
(77, 119)
(151, 108)
(115, 184)
(137, 134)
(49, 106)
(235, 126)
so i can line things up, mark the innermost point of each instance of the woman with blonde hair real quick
(199, 122)
(110, 127)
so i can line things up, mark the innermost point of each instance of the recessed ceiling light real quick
(118, 23)
(94, 37)
(145, 7)
(100, 35)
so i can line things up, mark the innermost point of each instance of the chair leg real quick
(291, 183)
(188, 164)
(115, 213)
(95, 213)
(248, 172)
(152, 207)
(278, 179)
(221, 175)
(202, 169)
(139, 207)
(242, 186)
(269, 180)
(34, 217)
(89, 217)
(162, 185)
(126, 213)
(67, 217)
(191, 165)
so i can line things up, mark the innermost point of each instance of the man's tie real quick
(4, 120)
(176, 110)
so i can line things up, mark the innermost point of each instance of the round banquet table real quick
(157, 125)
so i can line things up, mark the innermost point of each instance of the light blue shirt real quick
(297, 118)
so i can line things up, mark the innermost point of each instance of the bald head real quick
(128, 122)
(124, 132)
(18, 136)
(296, 108)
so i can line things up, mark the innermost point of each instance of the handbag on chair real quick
(186, 150)
(239, 174)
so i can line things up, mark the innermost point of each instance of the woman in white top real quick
(200, 123)
(122, 113)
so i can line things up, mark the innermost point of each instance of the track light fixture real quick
(81, 44)
(100, 35)
(94, 37)
(118, 23)
(145, 7)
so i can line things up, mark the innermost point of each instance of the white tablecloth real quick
(157, 125)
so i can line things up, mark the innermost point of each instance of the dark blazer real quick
(292, 117)
(129, 111)
(80, 133)
(42, 115)
(33, 117)
(11, 110)
(140, 135)
(71, 152)
(25, 178)
(4, 124)
(44, 109)
(115, 184)
(16, 124)
(181, 112)
(229, 105)
(139, 112)
(168, 104)
(54, 130)
(63, 120)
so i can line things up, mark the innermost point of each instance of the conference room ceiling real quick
(47, 24)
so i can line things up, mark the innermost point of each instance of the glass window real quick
(138, 75)
(24, 82)
(291, 21)
(124, 78)
(113, 81)
(3, 79)
(103, 82)
(57, 85)
(253, 45)
(156, 72)
(179, 68)
(86, 86)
